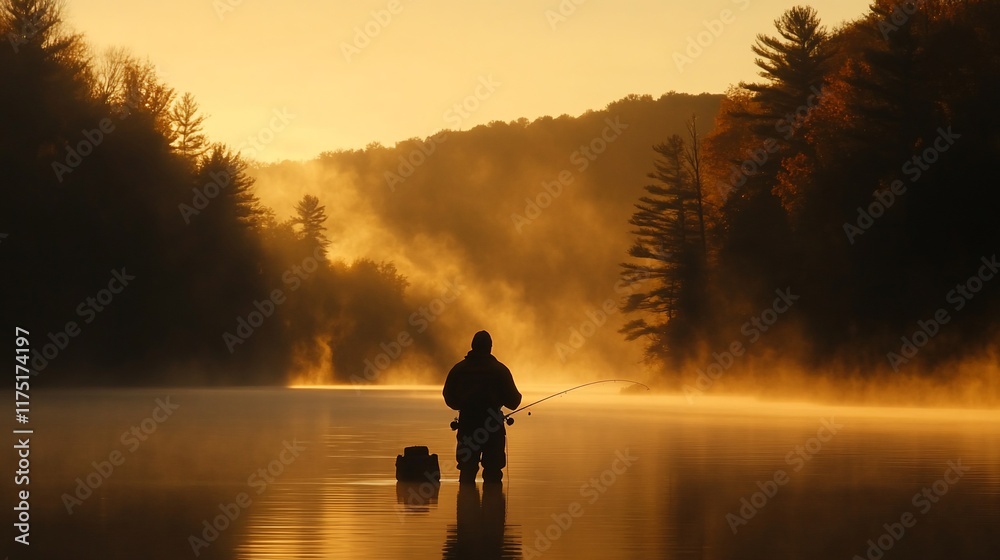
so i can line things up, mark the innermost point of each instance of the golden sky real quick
(288, 80)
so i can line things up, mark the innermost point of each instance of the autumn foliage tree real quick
(849, 175)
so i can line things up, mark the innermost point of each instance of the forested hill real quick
(833, 225)
(136, 250)
(830, 224)
(531, 215)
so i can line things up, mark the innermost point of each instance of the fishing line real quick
(506, 495)
(510, 421)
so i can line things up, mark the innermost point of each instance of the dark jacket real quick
(480, 383)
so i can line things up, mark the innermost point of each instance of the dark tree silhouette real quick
(101, 177)
(793, 64)
(227, 170)
(693, 159)
(757, 245)
(904, 106)
(311, 218)
(670, 246)
(189, 139)
(107, 179)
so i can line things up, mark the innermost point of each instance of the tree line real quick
(136, 250)
(858, 174)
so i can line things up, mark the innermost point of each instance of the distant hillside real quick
(530, 216)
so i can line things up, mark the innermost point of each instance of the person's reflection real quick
(479, 531)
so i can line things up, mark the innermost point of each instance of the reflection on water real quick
(480, 530)
(417, 497)
(589, 476)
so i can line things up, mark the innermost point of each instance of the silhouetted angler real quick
(478, 387)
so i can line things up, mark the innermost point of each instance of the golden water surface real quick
(309, 473)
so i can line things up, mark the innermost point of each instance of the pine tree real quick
(311, 217)
(670, 246)
(45, 76)
(757, 238)
(189, 140)
(793, 64)
(35, 26)
(224, 174)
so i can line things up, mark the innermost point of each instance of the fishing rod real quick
(510, 421)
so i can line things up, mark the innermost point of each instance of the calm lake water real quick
(590, 476)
